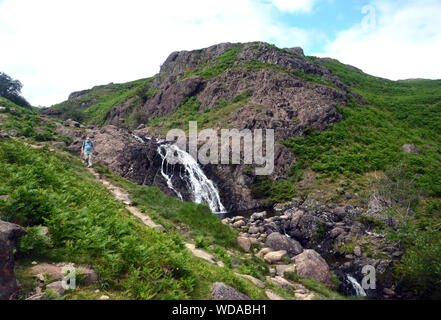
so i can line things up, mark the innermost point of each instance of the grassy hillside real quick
(95, 104)
(47, 187)
(87, 225)
(27, 122)
(369, 140)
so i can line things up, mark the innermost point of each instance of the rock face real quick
(277, 241)
(221, 291)
(9, 235)
(310, 264)
(281, 96)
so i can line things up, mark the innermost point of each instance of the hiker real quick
(86, 151)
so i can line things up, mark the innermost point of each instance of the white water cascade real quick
(357, 287)
(202, 189)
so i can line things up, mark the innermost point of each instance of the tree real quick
(11, 89)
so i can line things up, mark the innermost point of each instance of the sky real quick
(55, 47)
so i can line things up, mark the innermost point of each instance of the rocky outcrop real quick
(286, 92)
(9, 235)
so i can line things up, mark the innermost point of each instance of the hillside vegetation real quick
(350, 149)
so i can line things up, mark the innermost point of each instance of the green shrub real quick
(34, 243)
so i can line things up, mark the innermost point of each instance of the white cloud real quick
(294, 5)
(405, 41)
(56, 47)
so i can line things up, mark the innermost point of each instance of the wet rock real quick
(271, 227)
(221, 291)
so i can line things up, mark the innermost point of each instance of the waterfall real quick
(357, 287)
(202, 189)
(165, 174)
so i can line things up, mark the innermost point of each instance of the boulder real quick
(71, 123)
(275, 256)
(221, 291)
(334, 233)
(239, 224)
(263, 252)
(244, 243)
(258, 216)
(9, 235)
(253, 230)
(340, 212)
(56, 287)
(310, 264)
(255, 281)
(296, 218)
(280, 282)
(281, 269)
(277, 241)
(59, 144)
(46, 271)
